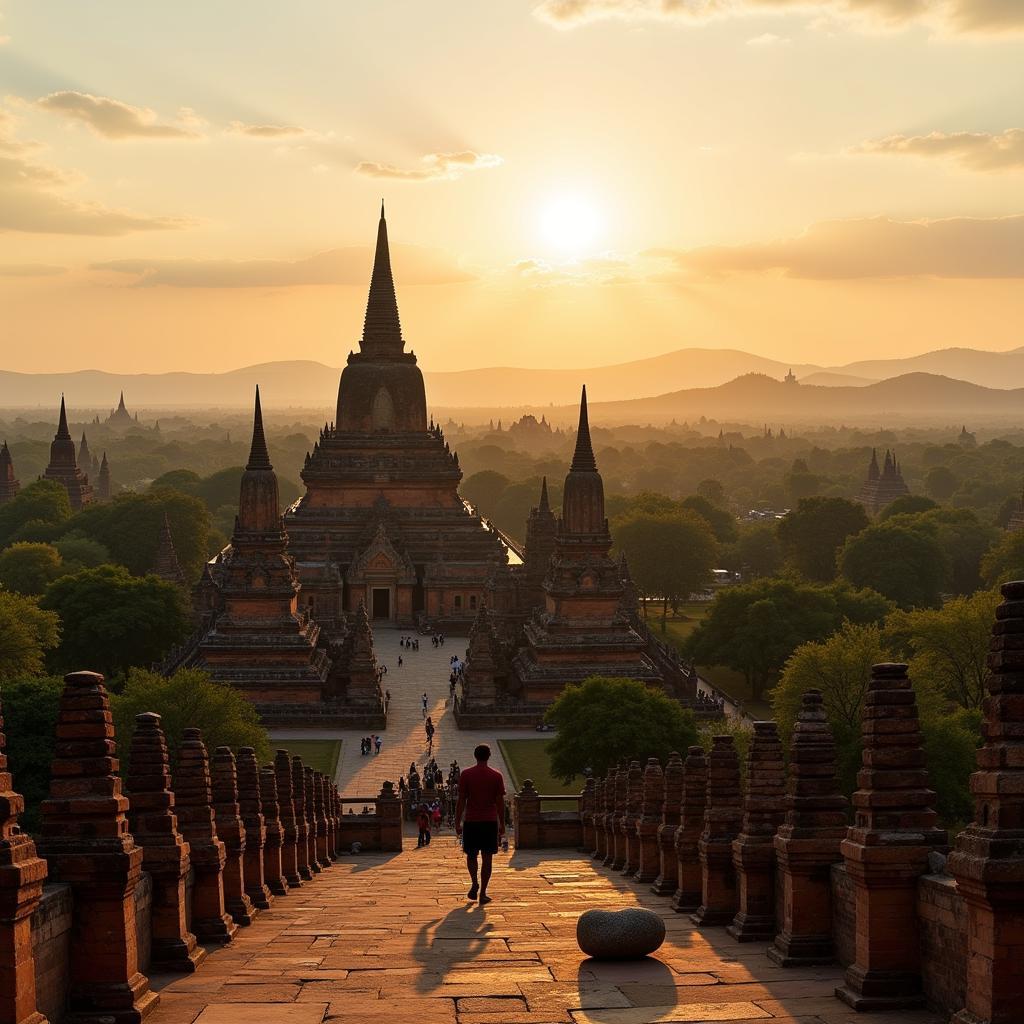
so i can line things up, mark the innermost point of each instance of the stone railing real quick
(534, 828)
(781, 864)
(132, 870)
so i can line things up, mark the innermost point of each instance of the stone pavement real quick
(425, 670)
(388, 939)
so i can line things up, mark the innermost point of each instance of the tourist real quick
(423, 824)
(482, 807)
(435, 816)
(378, 742)
(424, 705)
(387, 699)
(399, 661)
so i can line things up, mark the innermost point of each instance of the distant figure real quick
(399, 661)
(482, 805)
(378, 742)
(423, 824)
(424, 705)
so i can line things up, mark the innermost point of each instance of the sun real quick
(571, 223)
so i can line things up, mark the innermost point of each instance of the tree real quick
(909, 504)
(28, 568)
(603, 721)
(756, 553)
(964, 541)
(948, 646)
(113, 621)
(800, 482)
(722, 523)
(483, 489)
(840, 667)
(189, 698)
(713, 491)
(941, 483)
(30, 709)
(1005, 560)
(670, 555)
(129, 527)
(903, 563)
(755, 627)
(812, 534)
(81, 552)
(41, 503)
(951, 744)
(27, 632)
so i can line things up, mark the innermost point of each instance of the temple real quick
(9, 484)
(121, 416)
(882, 486)
(63, 465)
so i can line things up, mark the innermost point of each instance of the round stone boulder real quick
(619, 934)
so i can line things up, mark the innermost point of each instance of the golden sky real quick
(568, 182)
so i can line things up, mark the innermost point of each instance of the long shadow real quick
(645, 982)
(465, 928)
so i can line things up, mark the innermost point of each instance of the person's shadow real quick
(463, 935)
(645, 982)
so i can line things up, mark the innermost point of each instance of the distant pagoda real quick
(85, 459)
(63, 466)
(121, 417)
(1015, 525)
(884, 485)
(9, 485)
(103, 485)
(166, 566)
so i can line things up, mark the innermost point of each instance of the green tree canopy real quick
(1005, 559)
(964, 541)
(898, 560)
(27, 632)
(941, 483)
(721, 521)
(81, 552)
(483, 489)
(28, 568)
(755, 627)
(42, 503)
(712, 490)
(909, 504)
(113, 621)
(670, 555)
(756, 552)
(605, 720)
(129, 527)
(189, 698)
(812, 534)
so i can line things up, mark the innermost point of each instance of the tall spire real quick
(259, 457)
(382, 330)
(583, 456)
(544, 505)
(120, 404)
(63, 434)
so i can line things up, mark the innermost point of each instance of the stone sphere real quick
(619, 934)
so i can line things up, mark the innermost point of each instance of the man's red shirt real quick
(482, 787)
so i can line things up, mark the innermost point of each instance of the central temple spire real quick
(382, 330)
(259, 457)
(583, 456)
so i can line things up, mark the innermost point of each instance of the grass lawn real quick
(528, 759)
(320, 755)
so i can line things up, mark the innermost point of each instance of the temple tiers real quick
(103, 483)
(121, 417)
(166, 565)
(9, 484)
(882, 486)
(63, 465)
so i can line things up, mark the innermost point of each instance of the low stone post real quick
(618, 838)
(193, 801)
(336, 819)
(250, 807)
(988, 858)
(807, 843)
(289, 822)
(86, 843)
(323, 852)
(722, 821)
(689, 885)
(332, 825)
(273, 866)
(672, 794)
(628, 821)
(309, 790)
(165, 853)
(526, 808)
(22, 874)
(610, 812)
(302, 814)
(753, 851)
(231, 832)
(886, 850)
(389, 811)
(598, 850)
(588, 807)
(653, 795)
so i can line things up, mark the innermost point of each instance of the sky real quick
(195, 186)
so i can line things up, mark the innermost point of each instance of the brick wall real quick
(942, 918)
(143, 896)
(51, 946)
(844, 917)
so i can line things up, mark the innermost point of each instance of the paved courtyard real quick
(389, 939)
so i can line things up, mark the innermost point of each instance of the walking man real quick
(482, 807)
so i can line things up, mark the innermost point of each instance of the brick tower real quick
(9, 485)
(166, 565)
(63, 465)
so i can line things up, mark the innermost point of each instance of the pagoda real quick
(166, 565)
(63, 466)
(9, 485)
(381, 521)
(882, 486)
(257, 639)
(85, 459)
(582, 629)
(103, 486)
(541, 531)
(121, 417)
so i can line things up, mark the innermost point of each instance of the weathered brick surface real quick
(843, 900)
(653, 795)
(672, 794)
(689, 884)
(942, 922)
(273, 863)
(250, 807)
(289, 822)
(723, 819)
(302, 836)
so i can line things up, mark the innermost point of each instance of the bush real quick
(28, 568)
(27, 632)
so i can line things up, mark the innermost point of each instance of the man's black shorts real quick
(480, 837)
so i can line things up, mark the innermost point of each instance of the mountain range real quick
(304, 383)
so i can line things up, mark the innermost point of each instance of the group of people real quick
(382, 671)
(437, 639)
(711, 701)
(410, 643)
(371, 744)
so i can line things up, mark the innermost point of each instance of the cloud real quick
(436, 167)
(31, 199)
(768, 39)
(877, 247)
(267, 131)
(348, 266)
(595, 270)
(30, 270)
(978, 151)
(113, 119)
(977, 16)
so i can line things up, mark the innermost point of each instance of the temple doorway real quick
(381, 603)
